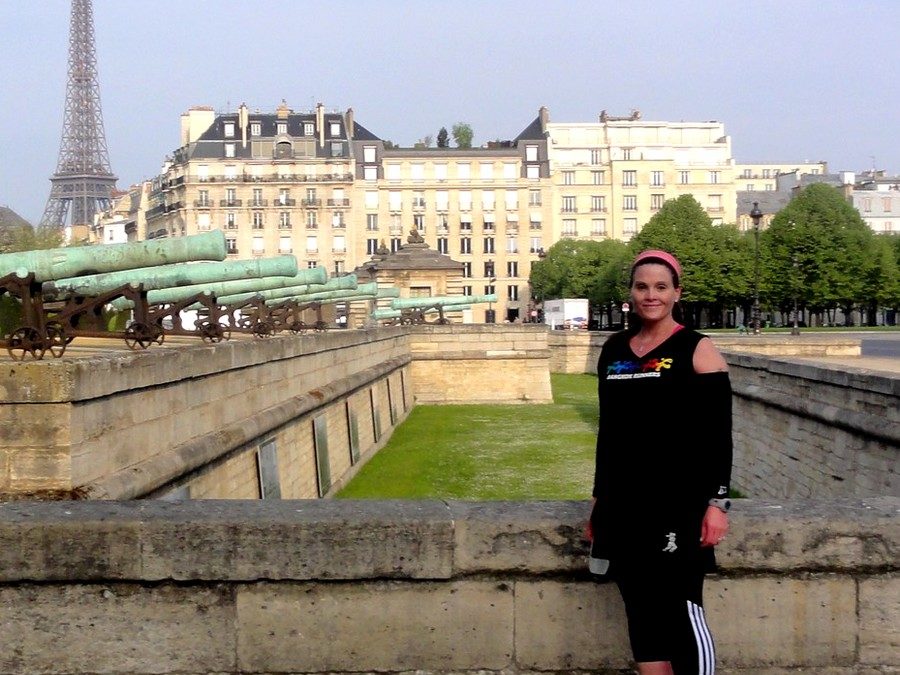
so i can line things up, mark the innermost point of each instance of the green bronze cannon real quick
(22, 276)
(413, 309)
(397, 315)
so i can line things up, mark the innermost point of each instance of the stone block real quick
(116, 629)
(427, 626)
(570, 627)
(879, 621)
(783, 621)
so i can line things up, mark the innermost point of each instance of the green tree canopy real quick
(463, 135)
(443, 140)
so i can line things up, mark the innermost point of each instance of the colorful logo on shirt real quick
(628, 370)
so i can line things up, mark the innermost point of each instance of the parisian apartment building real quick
(319, 185)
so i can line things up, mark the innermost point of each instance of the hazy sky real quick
(792, 80)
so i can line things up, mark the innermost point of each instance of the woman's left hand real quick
(714, 527)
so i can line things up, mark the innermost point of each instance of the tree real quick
(425, 142)
(463, 135)
(27, 238)
(443, 140)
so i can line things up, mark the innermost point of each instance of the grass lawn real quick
(490, 452)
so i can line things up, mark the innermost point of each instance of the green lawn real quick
(490, 452)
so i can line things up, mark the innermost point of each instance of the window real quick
(512, 245)
(531, 153)
(535, 245)
(257, 220)
(467, 270)
(284, 196)
(311, 197)
(229, 149)
(284, 220)
(533, 172)
(534, 198)
(488, 244)
(371, 199)
(339, 244)
(715, 203)
(338, 267)
(418, 200)
(440, 172)
(203, 198)
(419, 222)
(281, 128)
(867, 204)
(417, 171)
(372, 222)
(630, 225)
(334, 129)
(465, 244)
(230, 221)
(629, 178)
(467, 290)
(371, 246)
(511, 200)
(465, 200)
(886, 204)
(568, 205)
(489, 268)
(442, 245)
(568, 177)
(284, 245)
(512, 269)
(598, 227)
(465, 223)
(203, 221)
(487, 170)
(337, 149)
(308, 129)
(488, 197)
(751, 187)
(629, 203)
(231, 245)
(464, 170)
(368, 154)
(257, 197)
(489, 289)
(598, 203)
(568, 227)
(512, 292)
(312, 220)
(255, 129)
(229, 129)
(510, 171)
(312, 243)
(657, 178)
(392, 171)
(230, 172)
(684, 177)
(311, 264)
(337, 220)
(713, 177)
(370, 173)
(394, 200)
(596, 156)
(626, 153)
(597, 177)
(230, 195)
(657, 201)
(442, 200)
(258, 245)
(202, 173)
(767, 173)
(442, 223)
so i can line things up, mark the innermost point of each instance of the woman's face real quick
(653, 291)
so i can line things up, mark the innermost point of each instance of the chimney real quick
(349, 123)
(320, 123)
(544, 116)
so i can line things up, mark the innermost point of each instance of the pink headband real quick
(662, 256)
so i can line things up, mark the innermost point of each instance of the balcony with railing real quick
(311, 202)
(258, 202)
(231, 202)
(203, 204)
(285, 201)
(338, 202)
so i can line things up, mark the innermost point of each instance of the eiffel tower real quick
(83, 180)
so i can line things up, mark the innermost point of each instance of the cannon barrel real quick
(174, 276)
(300, 294)
(381, 314)
(74, 261)
(344, 283)
(444, 300)
(249, 287)
(361, 293)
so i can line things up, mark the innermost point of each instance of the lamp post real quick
(756, 215)
(490, 313)
(795, 329)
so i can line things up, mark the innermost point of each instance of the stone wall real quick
(332, 586)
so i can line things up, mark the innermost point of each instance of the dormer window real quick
(283, 150)
(282, 127)
(255, 129)
(335, 129)
(308, 129)
(229, 129)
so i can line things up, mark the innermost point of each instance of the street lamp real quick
(490, 313)
(756, 215)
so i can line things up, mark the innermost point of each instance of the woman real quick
(663, 468)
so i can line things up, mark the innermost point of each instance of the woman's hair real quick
(659, 257)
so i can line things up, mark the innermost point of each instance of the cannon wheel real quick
(141, 335)
(57, 339)
(297, 327)
(263, 329)
(26, 340)
(321, 326)
(213, 332)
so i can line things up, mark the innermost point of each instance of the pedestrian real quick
(663, 467)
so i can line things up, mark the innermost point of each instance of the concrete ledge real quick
(333, 586)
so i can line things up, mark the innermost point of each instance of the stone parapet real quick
(331, 586)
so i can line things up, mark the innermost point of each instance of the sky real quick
(791, 80)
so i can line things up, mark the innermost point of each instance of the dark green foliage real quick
(443, 140)
(463, 135)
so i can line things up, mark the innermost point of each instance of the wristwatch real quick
(724, 505)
